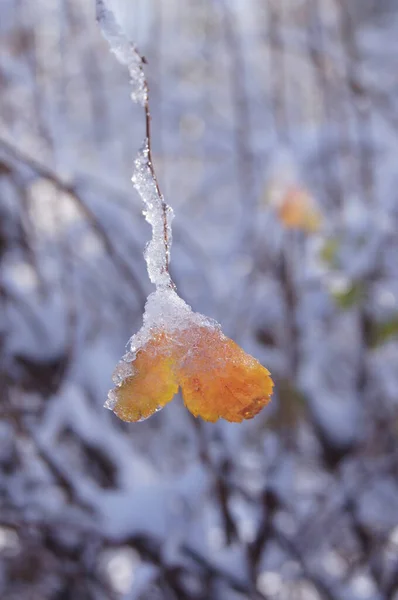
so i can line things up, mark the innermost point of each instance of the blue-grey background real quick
(249, 98)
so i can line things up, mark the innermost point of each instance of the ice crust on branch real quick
(156, 212)
(124, 51)
(177, 348)
(159, 215)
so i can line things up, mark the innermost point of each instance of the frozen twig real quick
(157, 212)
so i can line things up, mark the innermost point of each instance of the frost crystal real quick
(159, 215)
(124, 51)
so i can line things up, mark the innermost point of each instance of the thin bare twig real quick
(152, 168)
(128, 55)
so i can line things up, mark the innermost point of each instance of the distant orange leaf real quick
(297, 210)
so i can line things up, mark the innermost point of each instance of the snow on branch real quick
(157, 212)
(125, 52)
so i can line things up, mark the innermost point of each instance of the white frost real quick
(159, 215)
(124, 51)
(157, 212)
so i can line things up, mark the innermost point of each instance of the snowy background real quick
(249, 98)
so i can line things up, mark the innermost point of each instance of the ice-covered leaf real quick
(218, 379)
(179, 348)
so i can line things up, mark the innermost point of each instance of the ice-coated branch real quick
(157, 212)
(125, 52)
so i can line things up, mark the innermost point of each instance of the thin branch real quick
(323, 586)
(155, 179)
(128, 55)
(71, 189)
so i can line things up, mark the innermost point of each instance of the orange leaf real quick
(151, 383)
(218, 379)
(297, 210)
